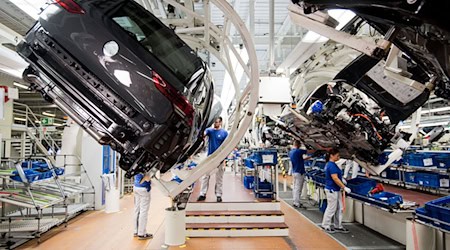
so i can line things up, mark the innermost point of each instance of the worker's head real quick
(218, 122)
(296, 144)
(333, 155)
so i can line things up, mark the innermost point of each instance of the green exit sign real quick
(47, 121)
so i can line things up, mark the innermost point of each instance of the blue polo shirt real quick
(215, 138)
(332, 168)
(145, 184)
(298, 164)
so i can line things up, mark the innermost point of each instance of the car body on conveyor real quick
(124, 77)
(358, 111)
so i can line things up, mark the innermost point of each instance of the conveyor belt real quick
(411, 195)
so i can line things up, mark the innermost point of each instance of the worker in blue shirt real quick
(142, 187)
(296, 155)
(333, 187)
(216, 136)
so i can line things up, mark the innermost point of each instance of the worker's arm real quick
(337, 181)
(311, 151)
(205, 134)
(146, 177)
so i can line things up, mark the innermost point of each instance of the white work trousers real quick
(354, 166)
(141, 205)
(219, 181)
(298, 187)
(334, 209)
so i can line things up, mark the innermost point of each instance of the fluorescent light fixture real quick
(21, 85)
(435, 110)
(20, 119)
(57, 124)
(48, 114)
(37, 121)
(434, 124)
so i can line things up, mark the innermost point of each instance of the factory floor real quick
(99, 230)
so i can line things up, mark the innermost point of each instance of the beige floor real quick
(98, 230)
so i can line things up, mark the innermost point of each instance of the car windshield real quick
(158, 39)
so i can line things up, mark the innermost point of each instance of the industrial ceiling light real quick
(48, 114)
(57, 124)
(20, 119)
(21, 85)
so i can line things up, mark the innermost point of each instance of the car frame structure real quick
(359, 109)
(124, 77)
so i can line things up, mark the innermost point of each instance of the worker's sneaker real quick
(201, 198)
(219, 199)
(329, 230)
(299, 206)
(145, 236)
(342, 230)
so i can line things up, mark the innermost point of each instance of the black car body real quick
(361, 107)
(122, 75)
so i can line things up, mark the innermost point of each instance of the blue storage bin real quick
(444, 181)
(249, 182)
(442, 160)
(439, 209)
(45, 175)
(390, 198)
(420, 212)
(428, 179)
(361, 185)
(265, 157)
(42, 166)
(264, 186)
(261, 188)
(383, 158)
(320, 178)
(30, 174)
(264, 195)
(34, 164)
(392, 174)
(410, 177)
(320, 164)
(249, 162)
(308, 163)
(420, 160)
(59, 171)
